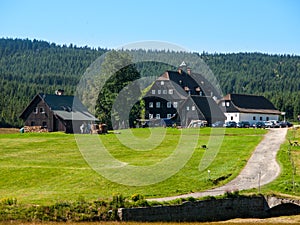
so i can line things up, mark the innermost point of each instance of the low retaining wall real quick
(210, 210)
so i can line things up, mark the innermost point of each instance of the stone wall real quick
(208, 210)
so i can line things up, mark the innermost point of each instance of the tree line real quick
(28, 67)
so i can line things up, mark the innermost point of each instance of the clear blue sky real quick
(270, 26)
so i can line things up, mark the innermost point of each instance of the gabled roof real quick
(64, 106)
(192, 81)
(250, 104)
(208, 107)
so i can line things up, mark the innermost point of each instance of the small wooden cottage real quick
(57, 112)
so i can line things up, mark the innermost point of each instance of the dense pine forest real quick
(28, 67)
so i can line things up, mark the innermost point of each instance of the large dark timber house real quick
(57, 112)
(177, 95)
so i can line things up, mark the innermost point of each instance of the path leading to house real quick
(261, 168)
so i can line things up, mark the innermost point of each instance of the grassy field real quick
(44, 168)
(288, 182)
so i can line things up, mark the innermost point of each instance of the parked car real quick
(268, 124)
(243, 124)
(218, 124)
(259, 124)
(285, 124)
(275, 123)
(230, 124)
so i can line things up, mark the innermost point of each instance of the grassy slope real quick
(284, 183)
(45, 168)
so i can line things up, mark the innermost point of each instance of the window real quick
(150, 104)
(153, 91)
(260, 118)
(165, 92)
(159, 92)
(44, 124)
(227, 104)
(168, 115)
(150, 116)
(170, 91)
(35, 110)
(32, 123)
(157, 116)
(169, 104)
(231, 118)
(193, 108)
(254, 118)
(175, 104)
(187, 108)
(162, 82)
(223, 104)
(157, 104)
(267, 118)
(42, 110)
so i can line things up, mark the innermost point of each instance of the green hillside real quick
(28, 67)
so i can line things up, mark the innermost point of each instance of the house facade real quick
(177, 95)
(252, 108)
(57, 112)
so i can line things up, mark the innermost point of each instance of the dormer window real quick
(170, 91)
(227, 104)
(197, 89)
(186, 88)
(153, 91)
(162, 82)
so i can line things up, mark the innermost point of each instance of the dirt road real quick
(261, 168)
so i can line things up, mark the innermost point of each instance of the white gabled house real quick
(252, 108)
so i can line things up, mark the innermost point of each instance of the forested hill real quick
(28, 67)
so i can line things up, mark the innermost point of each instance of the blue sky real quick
(270, 26)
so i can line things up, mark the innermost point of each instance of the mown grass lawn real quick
(45, 168)
(288, 157)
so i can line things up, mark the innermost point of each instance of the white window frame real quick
(159, 92)
(157, 105)
(165, 92)
(162, 82)
(150, 116)
(169, 115)
(171, 91)
(36, 110)
(187, 108)
(157, 116)
(193, 108)
(169, 104)
(153, 91)
(175, 104)
(150, 104)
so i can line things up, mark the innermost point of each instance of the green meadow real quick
(43, 168)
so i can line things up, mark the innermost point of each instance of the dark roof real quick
(209, 108)
(250, 104)
(192, 81)
(64, 106)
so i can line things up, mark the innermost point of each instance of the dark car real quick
(230, 124)
(243, 124)
(259, 124)
(285, 124)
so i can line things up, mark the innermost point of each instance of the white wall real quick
(237, 117)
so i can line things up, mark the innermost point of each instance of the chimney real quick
(189, 71)
(59, 92)
(180, 70)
